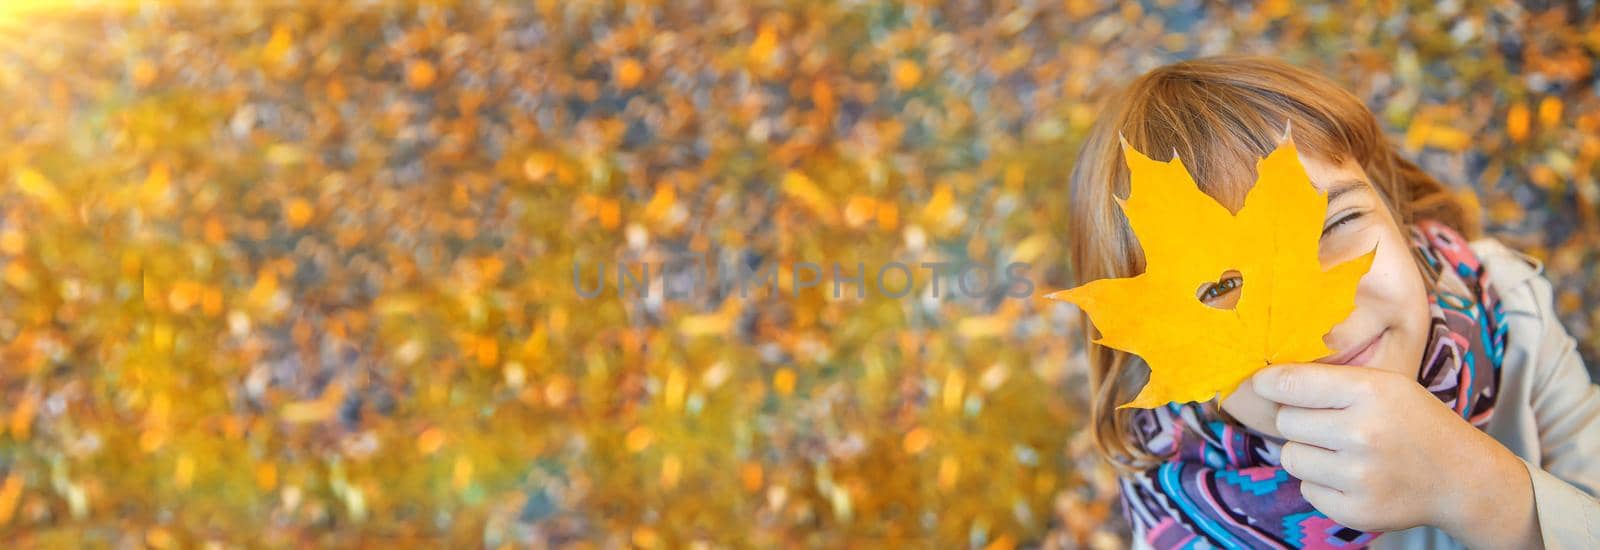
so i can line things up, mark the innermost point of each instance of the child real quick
(1455, 409)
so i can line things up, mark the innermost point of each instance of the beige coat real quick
(1548, 412)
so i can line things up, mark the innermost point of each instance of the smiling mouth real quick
(1358, 356)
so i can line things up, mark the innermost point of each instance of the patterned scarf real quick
(1222, 485)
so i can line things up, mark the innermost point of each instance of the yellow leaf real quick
(1287, 301)
(949, 472)
(704, 325)
(39, 187)
(1275, 9)
(266, 476)
(183, 475)
(279, 45)
(907, 74)
(939, 205)
(661, 203)
(160, 538)
(671, 471)
(144, 73)
(306, 412)
(156, 184)
(266, 287)
(317, 410)
(284, 154)
(797, 185)
(461, 473)
(1550, 112)
(19, 276)
(645, 537)
(1449, 139)
(784, 381)
(12, 242)
(1030, 248)
(954, 384)
(765, 45)
(677, 383)
(983, 327)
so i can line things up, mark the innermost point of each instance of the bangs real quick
(1221, 124)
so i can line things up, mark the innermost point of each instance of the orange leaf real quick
(9, 493)
(1517, 120)
(421, 74)
(1287, 301)
(628, 73)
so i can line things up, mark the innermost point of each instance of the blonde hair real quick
(1219, 114)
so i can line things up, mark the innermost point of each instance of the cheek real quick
(1393, 295)
(1394, 278)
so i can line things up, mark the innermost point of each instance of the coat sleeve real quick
(1566, 405)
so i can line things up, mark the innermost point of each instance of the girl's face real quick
(1389, 326)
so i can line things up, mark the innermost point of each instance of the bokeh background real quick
(300, 274)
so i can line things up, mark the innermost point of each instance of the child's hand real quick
(1376, 452)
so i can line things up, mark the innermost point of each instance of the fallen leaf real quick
(421, 74)
(1517, 122)
(629, 72)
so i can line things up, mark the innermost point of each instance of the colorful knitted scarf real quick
(1222, 486)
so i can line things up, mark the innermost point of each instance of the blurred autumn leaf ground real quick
(300, 273)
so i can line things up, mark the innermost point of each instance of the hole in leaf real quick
(1222, 293)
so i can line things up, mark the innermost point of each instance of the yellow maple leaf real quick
(1287, 301)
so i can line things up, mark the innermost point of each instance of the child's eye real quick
(1347, 219)
(1221, 288)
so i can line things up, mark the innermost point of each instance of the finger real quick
(1325, 499)
(1311, 385)
(1325, 428)
(1315, 464)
